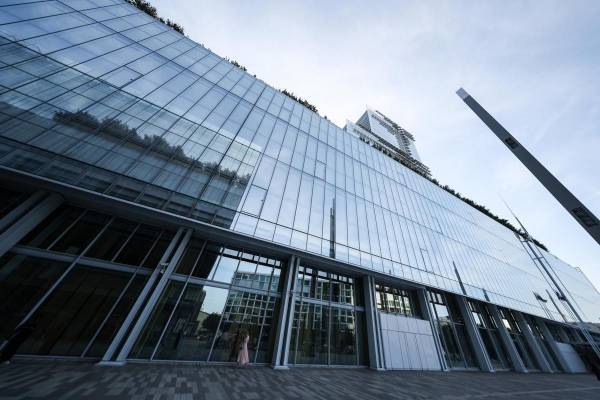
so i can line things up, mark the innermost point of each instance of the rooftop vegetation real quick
(149, 9)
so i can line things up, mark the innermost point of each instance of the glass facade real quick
(73, 284)
(456, 345)
(328, 326)
(516, 334)
(488, 330)
(104, 97)
(214, 294)
(100, 98)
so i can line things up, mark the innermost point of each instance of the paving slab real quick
(32, 379)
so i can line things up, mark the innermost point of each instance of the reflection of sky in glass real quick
(214, 300)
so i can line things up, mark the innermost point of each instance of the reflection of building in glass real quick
(157, 200)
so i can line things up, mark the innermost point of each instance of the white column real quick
(425, 306)
(532, 343)
(474, 336)
(20, 221)
(286, 315)
(507, 340)
(172, 253)
(373, 328)
(554, 347)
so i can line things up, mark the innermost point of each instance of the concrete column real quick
(286, 315)
(21, 209)
(425, 306)
(150, 284)
(554, 347)
(532, 343)
(477, 343)
(25, 217)
(373, 328)
(507, 340)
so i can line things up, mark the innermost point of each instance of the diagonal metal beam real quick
(578, 211)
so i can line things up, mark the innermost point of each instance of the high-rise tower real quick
(386, 135)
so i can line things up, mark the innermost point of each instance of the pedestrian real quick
(243, 339)
(19, 336)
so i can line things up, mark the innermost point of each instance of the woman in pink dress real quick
(242, 358)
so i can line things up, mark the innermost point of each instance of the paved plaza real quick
(26, 379)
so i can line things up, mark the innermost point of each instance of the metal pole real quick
(578, 211)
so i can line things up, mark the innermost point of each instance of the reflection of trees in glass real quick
(120, 130)
(211, 322)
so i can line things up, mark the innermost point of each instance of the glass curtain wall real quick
(453, 334)
(214, 295)
(516, 334)
(328, 326)
(488, 331)
(107, 98)
(74, 278)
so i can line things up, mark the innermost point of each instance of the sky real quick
(534, 65)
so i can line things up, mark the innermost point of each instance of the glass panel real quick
(138, 246)
(151, 333)
(311, 335)
(244, 314)
(193, 327)
(190, 256)
(111, 240)
(450, 344)
(23, 281)
(118, 315)
(158, 250)
(45, 233)
(70, 317)
(343, 340)
(267, 337)
(81, 234)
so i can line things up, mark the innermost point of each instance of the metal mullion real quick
(218, 327)
(262, 325)
(39, 54)
(125, 139)
(269, 296)
(108, 315)
(177, 302)
(40, 253)
(56, 15)
(105, 36)
(126, 241)
(119, 112)
(79, 308)
(434, 312)
(67, 229)
(156, 240)
(93, 263)
(151, 283)
(301, 321)
(199, 125)
(63, 275)
(93, 22)
(72, 90)
(459, 344)
(222, 285)
(159, 110)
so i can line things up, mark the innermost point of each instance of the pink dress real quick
(242, 358)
